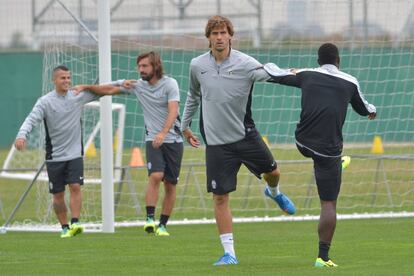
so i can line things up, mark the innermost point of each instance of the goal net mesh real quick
(376, 46)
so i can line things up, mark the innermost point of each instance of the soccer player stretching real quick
(221, 81)
(61, 111)
(326, 92)
(159, 97)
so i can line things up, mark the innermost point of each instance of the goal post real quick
(104, 48)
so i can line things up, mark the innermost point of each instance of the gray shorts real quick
(62, 173)
(166, 159)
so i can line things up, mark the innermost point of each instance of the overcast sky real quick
(331, 15)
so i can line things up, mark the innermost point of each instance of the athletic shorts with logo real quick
(224, 162)
(166, 158)
(62, 173)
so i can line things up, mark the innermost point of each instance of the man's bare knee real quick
(75, 187)
(59, 197)
(220, 200)
(155, 178)
(169, 187)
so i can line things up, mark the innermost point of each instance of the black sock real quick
(150, 211)
(74, 220)
(65, 226)
(164, 219)
(324, 250)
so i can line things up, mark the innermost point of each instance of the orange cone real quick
(136, 158)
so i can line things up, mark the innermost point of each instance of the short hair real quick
(155, 61)
(60, 67)
(218, 21)
(328, 53)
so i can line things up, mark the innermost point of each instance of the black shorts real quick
(64, 172)
(328, 174)
(223, 162)
(166, 159)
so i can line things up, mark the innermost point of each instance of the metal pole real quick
(257, 36)
(351, 23)
(104, 45)
(365, 10)
(86, 29)
(259, 23)
(19, 203)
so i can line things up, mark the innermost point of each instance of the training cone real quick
(116, 141)
(266, 141)
(377, 147)
(136, 158)
(91, 150)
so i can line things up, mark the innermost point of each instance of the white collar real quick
(330, 67)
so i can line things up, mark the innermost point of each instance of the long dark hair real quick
(155, 60)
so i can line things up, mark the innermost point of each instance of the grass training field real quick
(360, 247)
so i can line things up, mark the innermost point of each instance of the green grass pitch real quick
(360, 247)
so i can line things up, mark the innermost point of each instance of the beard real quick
(147, 77)
(221, 47)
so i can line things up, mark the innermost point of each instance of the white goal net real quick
(376, 42)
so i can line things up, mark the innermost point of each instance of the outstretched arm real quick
(282, 76)
(97, 89)
(105, 89)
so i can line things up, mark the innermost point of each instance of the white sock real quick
(228, 243)
(274, 190)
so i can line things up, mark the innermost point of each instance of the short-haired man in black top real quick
(326, 92)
